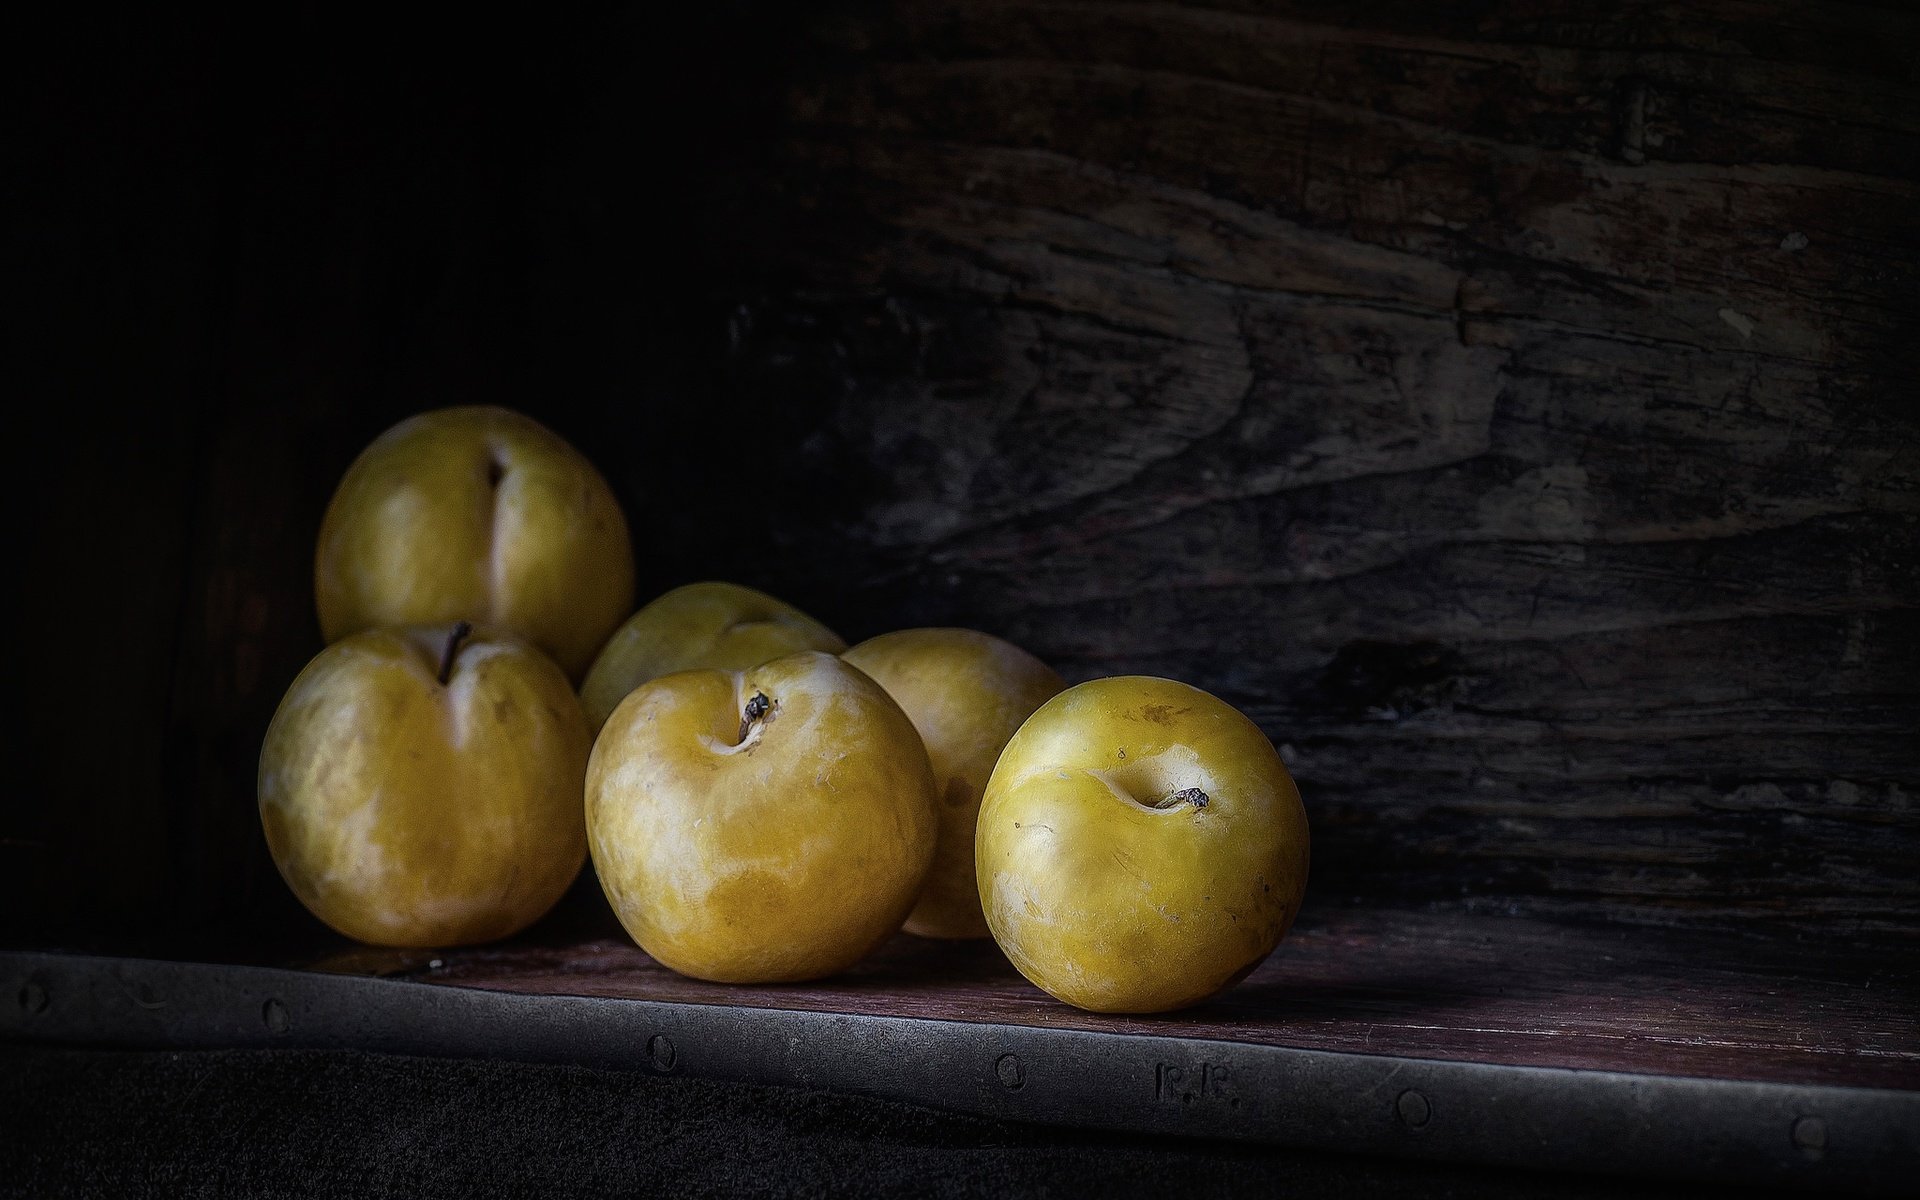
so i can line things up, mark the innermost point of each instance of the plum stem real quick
(1193, 796)
(756, 709)
(460, 631)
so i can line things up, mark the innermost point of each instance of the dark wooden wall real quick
(1510, 405)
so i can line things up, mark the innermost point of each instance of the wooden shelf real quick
(1486, 1039)
(1491, 990)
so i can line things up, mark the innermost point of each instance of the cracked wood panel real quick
(1510, 407)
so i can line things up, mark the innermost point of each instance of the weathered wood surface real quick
(1487, 989)
(1512, 406)
(1509, 405)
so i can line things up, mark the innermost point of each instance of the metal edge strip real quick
(1675, 1127)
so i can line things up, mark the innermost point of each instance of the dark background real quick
(1509, 405)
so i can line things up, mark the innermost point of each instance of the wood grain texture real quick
(1479, 989)
(1510, 406)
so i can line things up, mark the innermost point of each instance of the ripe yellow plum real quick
(967, 693)
(1140, 846)
(698, 626)
(760, 826)
(422, 787)
(476, 514)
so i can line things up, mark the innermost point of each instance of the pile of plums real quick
(762, 803)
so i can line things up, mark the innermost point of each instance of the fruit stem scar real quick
(460, 631)
(757, 708)
(1193, 796)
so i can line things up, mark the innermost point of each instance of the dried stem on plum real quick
(1193, 796)
(757, 708)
